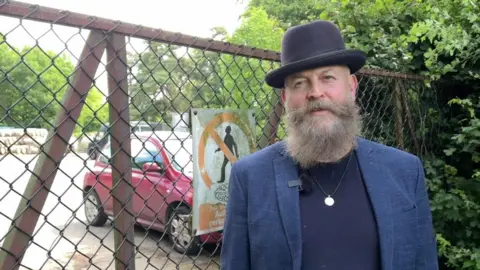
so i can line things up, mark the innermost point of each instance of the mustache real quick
(339, 109)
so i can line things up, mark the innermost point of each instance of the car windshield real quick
(180, 153)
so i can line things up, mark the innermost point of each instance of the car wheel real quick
(93, 209)
(180, 232)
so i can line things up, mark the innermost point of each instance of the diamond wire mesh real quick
(76, 229)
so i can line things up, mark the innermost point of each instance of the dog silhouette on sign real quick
(231, 144)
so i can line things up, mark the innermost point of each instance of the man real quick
(325, 198)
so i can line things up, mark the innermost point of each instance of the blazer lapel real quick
(288, 204)
(379, 185)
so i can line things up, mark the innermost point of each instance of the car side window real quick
(143, 152)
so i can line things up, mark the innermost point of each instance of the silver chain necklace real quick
(329, 201)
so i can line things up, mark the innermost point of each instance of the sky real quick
(192, 17)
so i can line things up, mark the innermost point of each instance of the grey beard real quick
(309, 142)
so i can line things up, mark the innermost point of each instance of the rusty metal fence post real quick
(121, 153)
(269, 134)
(33, 199)
(172, 74)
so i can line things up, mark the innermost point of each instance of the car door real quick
(149, 186)
(103, 172)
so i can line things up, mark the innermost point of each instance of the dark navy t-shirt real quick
(342, 236)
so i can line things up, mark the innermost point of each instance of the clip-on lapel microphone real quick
(303, 183)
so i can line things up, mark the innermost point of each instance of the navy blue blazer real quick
(262, 228)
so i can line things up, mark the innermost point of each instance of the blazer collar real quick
(376, 178)
(286, 170)
(378, 181)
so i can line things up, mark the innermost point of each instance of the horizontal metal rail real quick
(68, 18)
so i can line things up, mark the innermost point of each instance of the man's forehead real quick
(318, 70)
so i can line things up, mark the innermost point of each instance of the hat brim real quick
(354, 59)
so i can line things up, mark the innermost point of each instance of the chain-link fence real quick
(88, 105)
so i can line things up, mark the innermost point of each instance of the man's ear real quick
(353, 86)
(283, 95)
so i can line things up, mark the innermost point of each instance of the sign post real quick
(220, 138)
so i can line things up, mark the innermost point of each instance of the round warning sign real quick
(235, 132)
(221, 137)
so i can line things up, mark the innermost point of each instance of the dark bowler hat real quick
(313, 45)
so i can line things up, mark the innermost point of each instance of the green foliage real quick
(377, 27)
(456, 190)
(452, 29)
(245, 75)
(290, 12)
(186, 78)
(255, 21)
(437, 38)
(94, 113)
(183, 78)
(32, 83)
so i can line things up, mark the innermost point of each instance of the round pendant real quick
(329, 201)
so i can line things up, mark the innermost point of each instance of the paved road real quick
(62, 229)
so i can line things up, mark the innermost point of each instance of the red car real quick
(162, 174)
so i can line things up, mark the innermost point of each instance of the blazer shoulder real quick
(261, 157)
(405, 167)
(390, 153)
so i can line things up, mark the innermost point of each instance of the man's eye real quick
(329, 77)
(298, 84)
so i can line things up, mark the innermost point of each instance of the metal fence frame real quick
(20, 234)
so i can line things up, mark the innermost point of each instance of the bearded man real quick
(325, 198)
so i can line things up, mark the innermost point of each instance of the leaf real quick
(449, 151)
(468, 264)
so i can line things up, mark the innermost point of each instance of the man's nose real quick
(317, 90)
